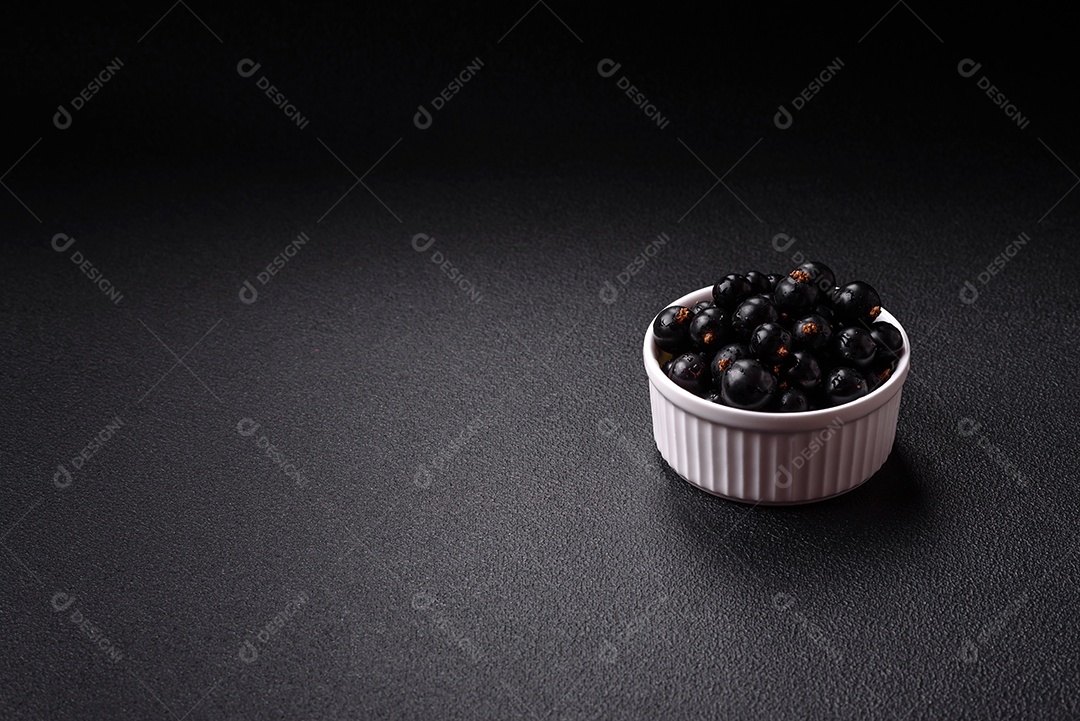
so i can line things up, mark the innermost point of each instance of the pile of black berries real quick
(780, 343)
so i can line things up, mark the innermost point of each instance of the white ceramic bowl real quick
(772, 458)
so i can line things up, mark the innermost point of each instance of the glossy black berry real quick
(879, 372)
(713, 395)
(856, 302)
(701, 305)
(724, 358)
(811, 332)
(888, 339)
(792, 401)
(749, 385)
(795, 297)
(803, 371)
(803, 276)
(770, 343)
(759, 281)
(751, 313)
(672, 328)
(820, 274)
(665, 367)
(853, 346)
(773, 280)
(731, 289)
(709, 330)
(690, 371)
(843, 385)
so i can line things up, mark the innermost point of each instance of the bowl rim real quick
(766, 420)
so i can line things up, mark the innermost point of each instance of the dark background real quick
(487, 530)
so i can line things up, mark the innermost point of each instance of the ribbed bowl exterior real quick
(773, 468)
(773, 458)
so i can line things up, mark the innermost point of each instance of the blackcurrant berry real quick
(691, 372)
(820, 275)
(803, 276)
(879, 372)
(888, 339)
(853, 346)
(665, 367)
(803, 371)
(709, 330)
(751, 313)
(793, 401)
(713, 395)
(759, 281)
(724, 358)
(672, 328)
(811, 332)
(856, 302)
(731, 289)
(773, 280)
(702, 305)
(843, 385)
(795, 297)
(748, 384)
(770, 343)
